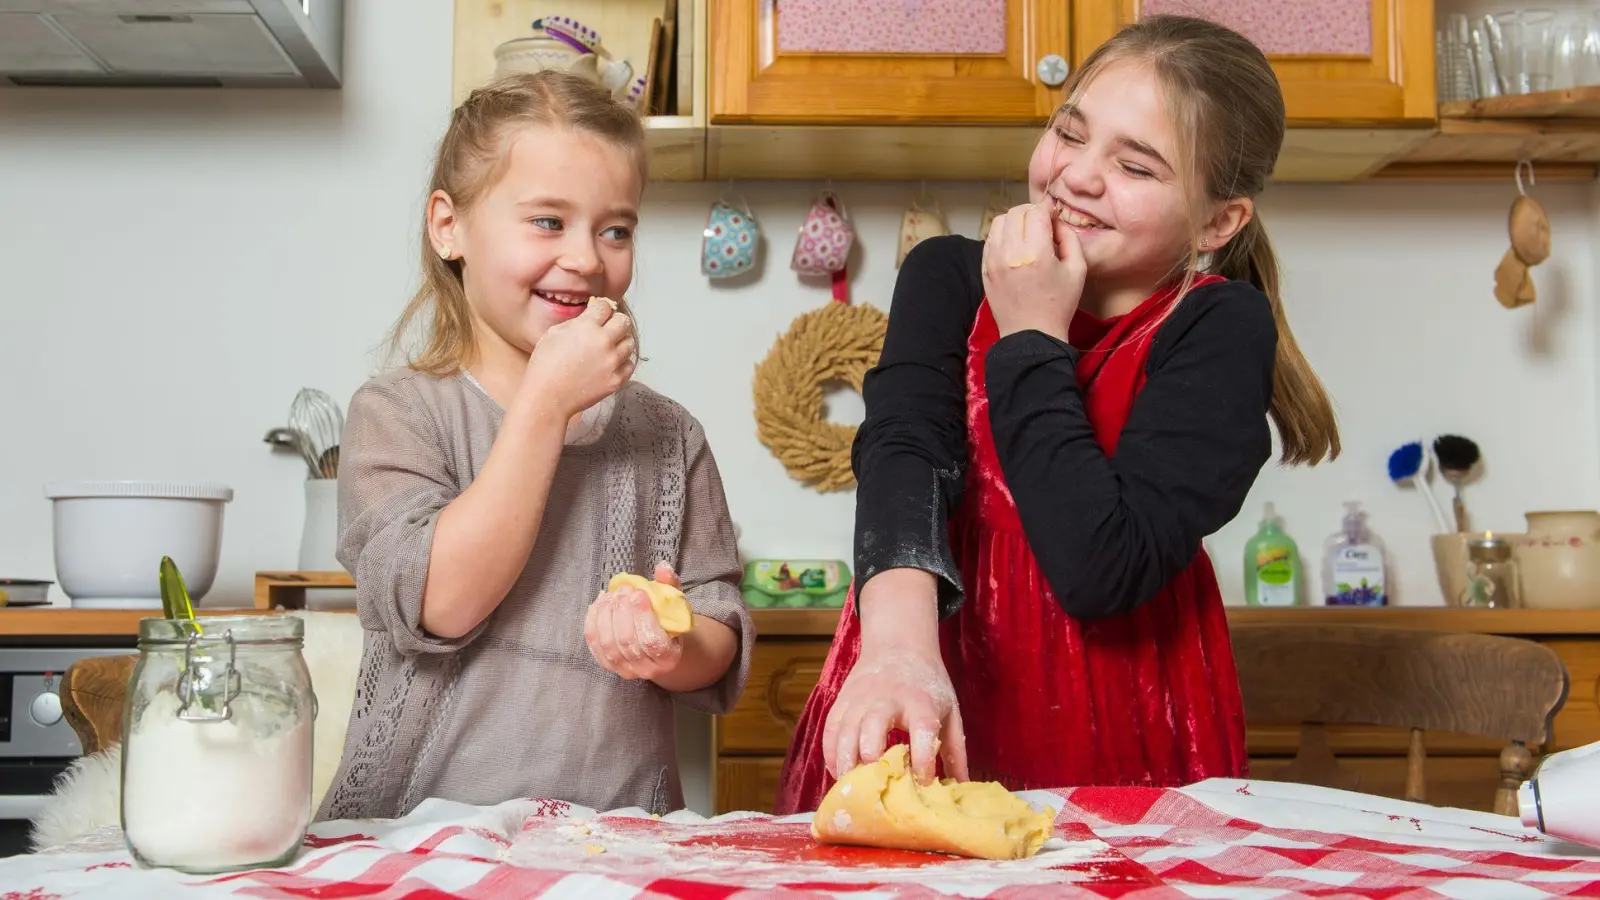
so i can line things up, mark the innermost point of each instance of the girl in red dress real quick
(1059, 416)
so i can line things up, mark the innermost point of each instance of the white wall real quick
(197, 257)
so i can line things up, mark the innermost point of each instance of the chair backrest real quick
(92, 693)
(1485, 685)
(1481, 684)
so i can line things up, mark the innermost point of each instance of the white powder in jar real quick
(216, 795)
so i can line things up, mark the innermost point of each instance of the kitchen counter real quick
(29, 625)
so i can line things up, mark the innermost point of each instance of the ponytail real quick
(1300, 408)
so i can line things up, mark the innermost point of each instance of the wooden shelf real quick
(1558, 131)
(801, 622)
(62, 622)
(280, 588)
(993, 152)
(1440, 618)
(821, 622)
(1569, 103)
(677, 143)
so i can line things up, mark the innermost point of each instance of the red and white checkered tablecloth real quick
(1217, 839)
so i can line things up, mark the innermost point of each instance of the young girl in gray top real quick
(489, 490)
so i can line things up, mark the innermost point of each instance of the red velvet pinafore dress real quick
(1150, 697)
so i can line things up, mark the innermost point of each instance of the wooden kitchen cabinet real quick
(874, 65)
(1462, 771)
(1340, 62)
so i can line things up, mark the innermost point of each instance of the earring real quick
(1204, 243)
(444, 253)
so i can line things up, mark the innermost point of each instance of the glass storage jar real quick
(1492, 577)
(216, 756)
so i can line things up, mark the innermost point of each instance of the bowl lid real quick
(165, 490)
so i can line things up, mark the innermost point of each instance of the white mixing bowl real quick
(110, 537)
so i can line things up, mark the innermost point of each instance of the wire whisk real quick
(318, 422)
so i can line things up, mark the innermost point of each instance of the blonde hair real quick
(472, 155)
(1225, 102)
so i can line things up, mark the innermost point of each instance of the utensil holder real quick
(319, 543)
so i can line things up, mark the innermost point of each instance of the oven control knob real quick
(46, 709)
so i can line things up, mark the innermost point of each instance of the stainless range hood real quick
(172, 43)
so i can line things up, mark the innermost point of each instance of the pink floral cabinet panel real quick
(955, 27)
(888, 62)
(1285, 27)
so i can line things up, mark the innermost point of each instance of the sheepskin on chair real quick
(88, 795)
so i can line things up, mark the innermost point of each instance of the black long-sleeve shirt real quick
(1107, 532)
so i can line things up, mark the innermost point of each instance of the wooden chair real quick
(92, 693)
(1477, 684)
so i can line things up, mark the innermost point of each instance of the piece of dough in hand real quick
(881, 804)
(669, 604)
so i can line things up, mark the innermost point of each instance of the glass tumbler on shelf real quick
(1566, 54)
(1481, 49)
(216, 762)
(1586, 67)
(1492, 577)
(1458, 78)
(1520, 40)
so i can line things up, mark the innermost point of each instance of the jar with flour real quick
(216, 758)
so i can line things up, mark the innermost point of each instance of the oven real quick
(36, 743)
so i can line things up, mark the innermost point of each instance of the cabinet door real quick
(886, 61)
(1340, 62)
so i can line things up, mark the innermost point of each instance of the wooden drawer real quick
(1578, 722)
(782, 674)
(748, 783)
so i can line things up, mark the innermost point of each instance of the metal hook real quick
(732, 193)
(1532, 180)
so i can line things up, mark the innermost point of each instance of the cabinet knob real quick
(1053, 70)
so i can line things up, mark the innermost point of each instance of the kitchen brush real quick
(1405, 464)
(1457, 456)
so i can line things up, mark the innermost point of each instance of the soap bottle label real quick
(1357, 576)
(1274, 577)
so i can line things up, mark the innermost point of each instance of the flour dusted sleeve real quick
(708, 566)
(394, 479)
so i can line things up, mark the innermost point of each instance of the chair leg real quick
(1516, 766)
(1416, 764)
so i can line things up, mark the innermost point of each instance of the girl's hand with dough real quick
(898, 682)
(1033, 273)
(626, 638)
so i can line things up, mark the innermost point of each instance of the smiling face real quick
(555, 228)
(1109, 167)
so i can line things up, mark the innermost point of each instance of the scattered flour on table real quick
(760, 852)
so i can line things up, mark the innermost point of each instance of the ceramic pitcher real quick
(1560, 560)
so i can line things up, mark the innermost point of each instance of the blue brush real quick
(1405, 464)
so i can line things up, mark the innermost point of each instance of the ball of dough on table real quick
(880, 804)
(669, 604)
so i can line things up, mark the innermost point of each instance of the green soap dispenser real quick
(1271, 565)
